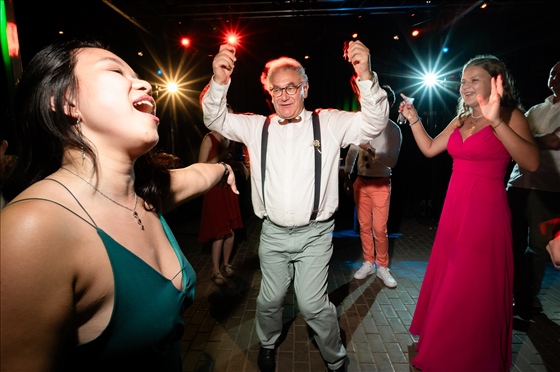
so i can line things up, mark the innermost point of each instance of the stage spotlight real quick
(444, 50)
(232, 39)
(172, 87)
(430, 79)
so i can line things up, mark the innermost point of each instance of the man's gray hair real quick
(279, 64)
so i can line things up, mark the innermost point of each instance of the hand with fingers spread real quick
(223, 64)
(491, 109)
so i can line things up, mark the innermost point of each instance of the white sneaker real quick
(367, 269)
(384, 274)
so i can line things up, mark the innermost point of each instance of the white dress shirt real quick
(543, 118)
(290, 165)
(387, 148)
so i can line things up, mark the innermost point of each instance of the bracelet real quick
(226, 169)
(417, 120)
(496, 126)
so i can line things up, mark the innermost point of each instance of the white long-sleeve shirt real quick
(387, 148)
(543, 118)
(290, 164)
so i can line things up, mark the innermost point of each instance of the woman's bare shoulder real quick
(42, 215)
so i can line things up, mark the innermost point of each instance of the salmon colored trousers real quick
(372, 198)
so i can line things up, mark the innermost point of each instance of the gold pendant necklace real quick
(133, 210)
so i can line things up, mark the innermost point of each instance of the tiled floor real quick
(220, 334)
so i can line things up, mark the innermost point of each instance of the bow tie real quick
(297, 119)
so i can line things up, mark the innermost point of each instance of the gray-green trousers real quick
(301, 254)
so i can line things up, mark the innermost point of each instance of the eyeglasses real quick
(290, 90)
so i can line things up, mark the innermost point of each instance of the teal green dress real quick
(145, 330)
(146, 326)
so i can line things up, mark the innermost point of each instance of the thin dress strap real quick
(92, 223)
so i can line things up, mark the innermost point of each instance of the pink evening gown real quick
(464, 313)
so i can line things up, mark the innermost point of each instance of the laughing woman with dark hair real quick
(92, 276)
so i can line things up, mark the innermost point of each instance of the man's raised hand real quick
(223, 64)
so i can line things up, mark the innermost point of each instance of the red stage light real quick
(232, 39)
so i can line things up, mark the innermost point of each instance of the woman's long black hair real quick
(43, 129)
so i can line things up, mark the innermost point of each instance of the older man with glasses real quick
(294, 169)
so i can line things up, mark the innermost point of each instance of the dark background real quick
(525, 34)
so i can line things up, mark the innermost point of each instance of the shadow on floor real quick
(544, 335)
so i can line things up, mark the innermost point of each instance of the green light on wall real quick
(4, 41)
(9, 46)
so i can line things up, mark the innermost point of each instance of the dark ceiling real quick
(265, 24)
(129, 23)
(525, 34)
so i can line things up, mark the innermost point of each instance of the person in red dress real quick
(221, 214)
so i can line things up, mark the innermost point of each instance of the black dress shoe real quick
(267, 360)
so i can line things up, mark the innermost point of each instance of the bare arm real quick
(205, 147)
(551, 229)
(515, 135)
(37, 287)
(195, 180)
(429, 146)
(553, 247)
(517, 139)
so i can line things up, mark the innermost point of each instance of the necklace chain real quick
(133, 210)
(474, 120)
